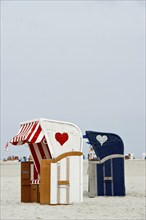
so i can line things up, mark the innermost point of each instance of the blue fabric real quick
(113, 145)
(117, 174)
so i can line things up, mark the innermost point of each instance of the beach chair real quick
(106, 174)
(56, 150)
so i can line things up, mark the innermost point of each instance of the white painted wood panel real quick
(63, 177)
(92, 179)
(53, 193)
(76, 186)
(74, 142)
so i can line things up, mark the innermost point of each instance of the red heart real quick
(61, 138)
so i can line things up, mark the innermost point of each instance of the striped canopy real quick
(31, 133)
(28, 133)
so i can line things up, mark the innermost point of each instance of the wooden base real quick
(25, 182)
(26, 193)
(35, 194)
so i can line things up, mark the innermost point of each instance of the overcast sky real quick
(81, 62)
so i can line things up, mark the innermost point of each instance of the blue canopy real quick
(104, 144)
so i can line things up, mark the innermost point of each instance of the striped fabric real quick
(33, 173)
(34, 176)
(31, 133)
(35, 181)
(39, 151)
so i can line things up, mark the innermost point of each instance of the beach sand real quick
(132, 206)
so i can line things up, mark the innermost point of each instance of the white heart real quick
(101, 139)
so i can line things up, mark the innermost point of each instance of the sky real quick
(77, 61)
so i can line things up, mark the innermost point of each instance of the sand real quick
(132, 206)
